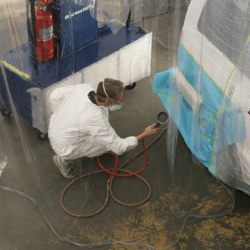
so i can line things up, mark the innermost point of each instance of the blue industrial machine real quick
(81, 48)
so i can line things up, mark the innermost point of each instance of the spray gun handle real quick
(156, 125)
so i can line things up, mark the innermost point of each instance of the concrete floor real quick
(184, 190)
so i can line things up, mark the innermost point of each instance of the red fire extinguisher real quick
(44, 35)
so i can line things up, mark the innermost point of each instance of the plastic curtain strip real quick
(186, 58)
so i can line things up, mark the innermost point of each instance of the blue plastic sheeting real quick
(217, 123)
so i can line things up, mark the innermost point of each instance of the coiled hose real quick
(113, 173)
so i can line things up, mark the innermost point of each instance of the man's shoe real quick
(66, 168)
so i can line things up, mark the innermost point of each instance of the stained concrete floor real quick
(177, 192)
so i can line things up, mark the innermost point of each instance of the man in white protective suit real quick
(79, 126)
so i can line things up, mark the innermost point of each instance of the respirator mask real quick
(116, 105)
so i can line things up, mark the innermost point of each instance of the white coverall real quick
(80, 128)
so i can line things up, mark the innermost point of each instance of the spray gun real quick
(162, 118)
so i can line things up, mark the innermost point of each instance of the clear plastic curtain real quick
(196, 70)
(113, 13)
(207, 88)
